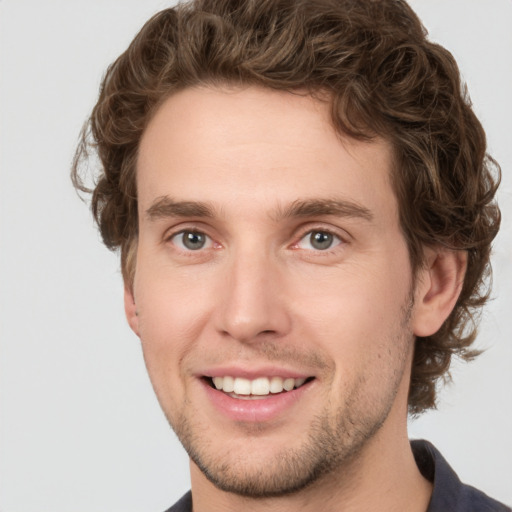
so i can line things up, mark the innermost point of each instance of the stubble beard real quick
(332, 444)
(290, 470)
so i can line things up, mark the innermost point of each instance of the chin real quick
(242, 468)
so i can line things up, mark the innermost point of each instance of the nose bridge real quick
(252, 303)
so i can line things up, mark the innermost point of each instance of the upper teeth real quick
(259, 386)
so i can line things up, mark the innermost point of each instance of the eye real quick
(319, 240)
(191, 240)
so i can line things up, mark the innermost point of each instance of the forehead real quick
(255, 144)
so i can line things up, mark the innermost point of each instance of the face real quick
(272, 291)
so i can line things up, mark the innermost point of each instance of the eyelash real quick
(337, 239)
(329, 250)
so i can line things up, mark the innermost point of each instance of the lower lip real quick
(254, 410)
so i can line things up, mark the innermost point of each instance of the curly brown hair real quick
(383, 78)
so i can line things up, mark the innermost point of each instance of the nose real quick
(252, 304)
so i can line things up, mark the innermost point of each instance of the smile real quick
(239, 387)
(255, 398)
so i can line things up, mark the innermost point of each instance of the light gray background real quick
(80, 428)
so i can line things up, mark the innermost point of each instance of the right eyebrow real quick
(164, 207)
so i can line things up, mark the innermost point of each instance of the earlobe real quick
(130, 309)
(438, 287)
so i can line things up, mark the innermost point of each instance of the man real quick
(304, 207)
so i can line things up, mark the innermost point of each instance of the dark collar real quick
(449, 493)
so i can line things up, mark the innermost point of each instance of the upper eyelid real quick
(192, 226)
(185, 230)
(173, 232)
(341, 233)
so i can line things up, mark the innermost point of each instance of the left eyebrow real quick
(316, 207)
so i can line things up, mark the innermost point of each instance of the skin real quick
(232, 165)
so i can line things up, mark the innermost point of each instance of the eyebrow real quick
(315, 207)
(165, 207)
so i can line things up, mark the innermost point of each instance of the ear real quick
(438, 287)
(130, 309)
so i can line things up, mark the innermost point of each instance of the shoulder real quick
(449, 492)
(182, 505)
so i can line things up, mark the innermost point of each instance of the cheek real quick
(173, 311)
(356, 315)
(171, 302)
(355, 296)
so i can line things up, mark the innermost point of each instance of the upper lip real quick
(253, 372)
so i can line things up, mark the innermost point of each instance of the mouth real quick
(258, 388)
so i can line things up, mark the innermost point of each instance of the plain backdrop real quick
(80, 429)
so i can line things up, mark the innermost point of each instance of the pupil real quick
(321, 240)
(193, 241)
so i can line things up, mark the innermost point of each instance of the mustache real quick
(270, 351)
